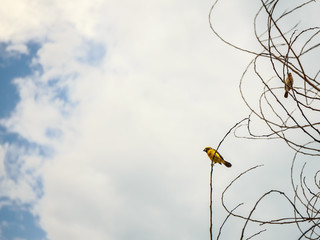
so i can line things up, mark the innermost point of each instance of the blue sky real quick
(17, 221)
(105, 111)
(13, 66)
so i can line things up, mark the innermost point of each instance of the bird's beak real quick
(204, 150)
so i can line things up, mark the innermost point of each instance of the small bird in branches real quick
(288, 85)
(217, 158)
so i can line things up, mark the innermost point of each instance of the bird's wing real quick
(220, 155)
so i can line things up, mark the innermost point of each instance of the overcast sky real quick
(105, 109)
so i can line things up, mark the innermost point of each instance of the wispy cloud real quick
(120, 94)
(122, 98)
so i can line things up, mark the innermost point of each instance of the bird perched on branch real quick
(288, 85)
(217, 158)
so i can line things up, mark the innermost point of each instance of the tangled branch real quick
(305, 204)
(284, 50)
(285, 70)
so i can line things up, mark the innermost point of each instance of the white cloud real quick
(18, 48)
(128, 131)
(35, 19)
(19, 173)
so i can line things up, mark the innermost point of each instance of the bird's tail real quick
(286, 94)
(227, 164)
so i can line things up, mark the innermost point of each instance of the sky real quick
(105, 108)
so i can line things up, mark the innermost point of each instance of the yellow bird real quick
(217, 158)
(288, 85)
